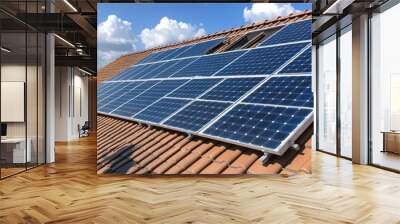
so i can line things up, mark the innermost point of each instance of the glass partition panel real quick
(31, 98)
(14, 153)
(346, 92)
(41, 98)
(327, 95)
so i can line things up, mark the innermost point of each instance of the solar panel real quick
(231, 89)
(259, 97)
(161, 110)
(126, 72)
(194, 88)
(157, 72)
(178, 65)
(116, 94)
(148, 97)
(148, 58)
(196, 115)
(293, 32)
(259, 125)
(163, 55)
(176, 53)
(147, 71)
(128, 95)
(103, 87)
(208, 65)
(153, 72)
(262, 60)
(110, 89)
(201, 48)
(134, 72)
(288, 91)
(302, 64)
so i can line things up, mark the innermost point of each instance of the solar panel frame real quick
(177, 120)
(298, 65)
(119, 101)
(282, 147)
(153, 94)
(161, 109)
(288, 37)
(203, 65)
(208, 44)
(194, 88)
(179, 65)
(285, 91)
(233, 87)
(282, 54)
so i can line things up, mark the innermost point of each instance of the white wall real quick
(70, 83)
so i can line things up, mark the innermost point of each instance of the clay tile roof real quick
(132, 148)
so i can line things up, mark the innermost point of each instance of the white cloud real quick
(266, 11)
(114, 38)
(169, 31)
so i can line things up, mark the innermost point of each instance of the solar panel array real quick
(259, 98)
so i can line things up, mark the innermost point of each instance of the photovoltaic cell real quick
(103, 87)
(153, 72)
(262, 60)
(231, 89)
(288, 91)
(176, 54)
(302, 64)
(103, 103)
(208, 65)
(161, 110)
(164, 54)
(148, 97)
(122, 88)
(293, 32)
(179, 64)
(134, 72)
(258, 125)
(147, 71)
(196, 115)
(201, 48)
(114, 86)
(117, 102)
(157, 72)
(148, 58)
(194, 88)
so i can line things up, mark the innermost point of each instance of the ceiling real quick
(73, 21)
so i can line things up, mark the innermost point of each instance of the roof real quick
(232, 35)
(133, 148)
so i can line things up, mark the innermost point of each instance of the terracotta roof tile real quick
(259, 168)
(146, 150)
(205, 160)
(185, 162)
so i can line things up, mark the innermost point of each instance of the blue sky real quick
(135, 27)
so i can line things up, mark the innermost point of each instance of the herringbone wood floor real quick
(69, 191)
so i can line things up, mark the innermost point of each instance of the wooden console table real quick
(391, 141)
